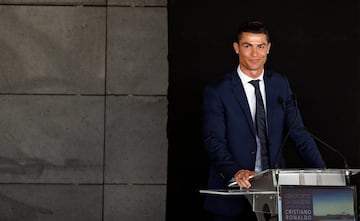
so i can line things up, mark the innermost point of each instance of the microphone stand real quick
(346, 165)
(292, 125)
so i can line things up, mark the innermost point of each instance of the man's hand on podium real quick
(242, 178)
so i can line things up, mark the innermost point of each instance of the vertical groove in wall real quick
(105, 98)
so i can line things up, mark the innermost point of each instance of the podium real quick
(292, 194)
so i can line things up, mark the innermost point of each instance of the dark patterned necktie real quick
(260, 122)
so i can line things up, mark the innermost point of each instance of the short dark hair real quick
(257, 27)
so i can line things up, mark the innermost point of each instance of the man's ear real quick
(236, 47)
(269, 45)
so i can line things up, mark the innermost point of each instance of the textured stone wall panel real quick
(137, 51)
(50, 202)
(138, 2)
(51, 139)
(52, 49)
(136, 145)
(54, 2)
(135, 203)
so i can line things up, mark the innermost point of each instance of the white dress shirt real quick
(250, 94)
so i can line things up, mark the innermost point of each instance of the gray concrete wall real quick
(83, 112)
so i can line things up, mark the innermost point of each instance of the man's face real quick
(252, 50)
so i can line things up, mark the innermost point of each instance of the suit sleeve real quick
(214, 134)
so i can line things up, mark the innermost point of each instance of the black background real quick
(315, 43)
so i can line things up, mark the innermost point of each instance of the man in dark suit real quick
(232, 136)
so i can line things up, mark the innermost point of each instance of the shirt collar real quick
(245, 79)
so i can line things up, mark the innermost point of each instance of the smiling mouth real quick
(254, 60)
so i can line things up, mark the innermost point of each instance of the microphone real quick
(292, 125)
(346, 165)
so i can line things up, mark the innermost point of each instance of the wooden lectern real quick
(300, 194)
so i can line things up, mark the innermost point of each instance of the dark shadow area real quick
(319, 54)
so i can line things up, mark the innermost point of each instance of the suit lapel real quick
(269, 90)
(239, 93)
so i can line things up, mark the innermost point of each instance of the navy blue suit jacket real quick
(229, 134)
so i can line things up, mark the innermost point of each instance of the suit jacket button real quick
(253, 152)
